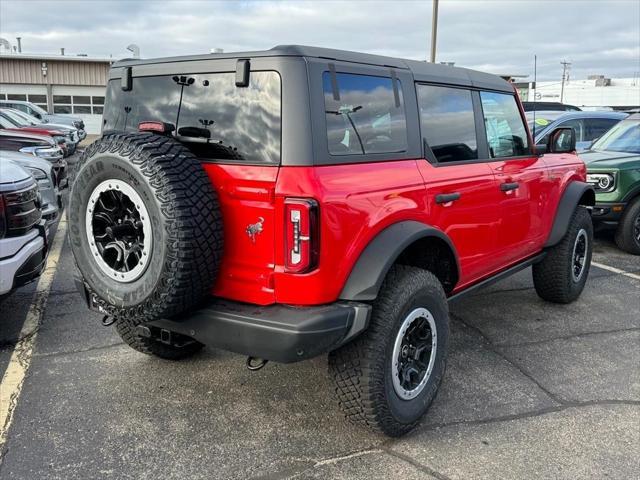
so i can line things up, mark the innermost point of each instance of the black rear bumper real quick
(277, 332)
(280, 333)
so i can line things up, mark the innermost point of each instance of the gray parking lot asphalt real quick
(532, 390)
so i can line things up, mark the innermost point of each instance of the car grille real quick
(22, 211)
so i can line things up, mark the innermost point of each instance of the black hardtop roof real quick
(422, 71)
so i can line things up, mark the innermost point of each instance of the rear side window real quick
(506, 133)
(447, 122)
(211, 116)
(596, 127)
(366, 117)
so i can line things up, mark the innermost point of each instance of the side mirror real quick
(562, 140)
(540, 149)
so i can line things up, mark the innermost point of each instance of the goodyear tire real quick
(145, 228)
(387, 378)
(561, 276)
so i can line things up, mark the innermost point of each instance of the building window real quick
(98, 110)
(61, 99)
(98, 100)
(38, 98)
(17, 96)
(62, 109)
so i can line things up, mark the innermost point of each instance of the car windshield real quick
(15, 119)
(623, 137)
(26, 117)
(538, 125)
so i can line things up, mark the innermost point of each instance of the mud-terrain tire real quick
(628, 230)
(178, 264)
(557, 277)
(363, 371)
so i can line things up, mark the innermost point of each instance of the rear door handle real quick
(507, 187)
(447, 197)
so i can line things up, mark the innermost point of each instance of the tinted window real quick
(16, 96)
(365, 118)
(506, 134)
(217, 120)
(578, 127)
(595, 127)
(447, 122)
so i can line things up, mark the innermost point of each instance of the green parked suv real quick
(613, 164)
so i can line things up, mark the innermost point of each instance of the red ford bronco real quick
(297, 201)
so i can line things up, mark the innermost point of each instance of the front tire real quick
(561, 276)
(628, 232)
(387, 378)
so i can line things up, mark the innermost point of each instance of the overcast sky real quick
(598, 37)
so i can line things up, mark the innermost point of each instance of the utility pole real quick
(565, 67)
(434, 30)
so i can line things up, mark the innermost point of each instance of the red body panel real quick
(490, 229)
(246, 195)
(36, 130)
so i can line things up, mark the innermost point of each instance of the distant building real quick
(58, 83)
(595, 92)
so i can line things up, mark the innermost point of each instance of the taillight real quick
(302, 239)
(157, 127)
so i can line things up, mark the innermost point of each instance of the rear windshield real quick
(215, 119)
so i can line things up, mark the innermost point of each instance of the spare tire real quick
(145, 226)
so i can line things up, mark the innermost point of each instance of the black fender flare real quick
(631, 194)
(571, 197)
(379, 255)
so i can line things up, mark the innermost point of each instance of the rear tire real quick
(410, 307)
(628, 231)
(561, 276)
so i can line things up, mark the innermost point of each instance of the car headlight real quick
(40, 176)
(602, 182)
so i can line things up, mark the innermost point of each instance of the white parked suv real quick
(23, 232)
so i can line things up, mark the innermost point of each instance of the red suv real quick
(297, 201)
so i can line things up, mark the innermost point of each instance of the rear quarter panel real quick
(356, 203)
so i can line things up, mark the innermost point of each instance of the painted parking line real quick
(616, 270)
(14, 375)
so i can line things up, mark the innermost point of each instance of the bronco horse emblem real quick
(254, 229)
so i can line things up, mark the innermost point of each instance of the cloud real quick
(496, 36)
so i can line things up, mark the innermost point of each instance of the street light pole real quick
(434, 30)
(565, 66)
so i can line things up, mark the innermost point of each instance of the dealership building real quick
(73, 84)
(596, 92)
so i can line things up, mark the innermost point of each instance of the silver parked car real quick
(23, 232)
(41, 114)
(589, 126)
(43, 172)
